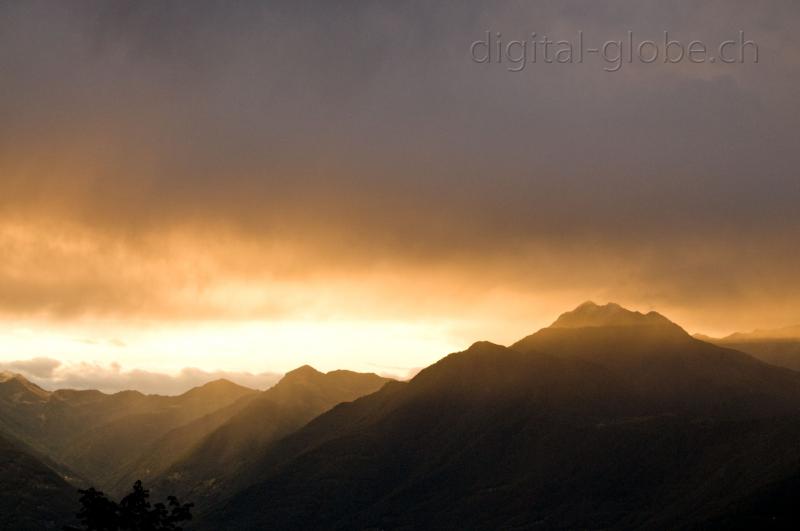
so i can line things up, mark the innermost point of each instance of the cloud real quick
(216, 162)
(51, 374)
(42, 368)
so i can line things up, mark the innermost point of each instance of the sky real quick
(239, 188)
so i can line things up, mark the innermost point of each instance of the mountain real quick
(20, 402)
(97, 434)
(591, 315)
(221, 461)
(789, 332)
(15, 388)
(779, 346)
(771, 507)
(609, 419)
(32, 495)
(174, 445)
(661, 363)
(781, 352)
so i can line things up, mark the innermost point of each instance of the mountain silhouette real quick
(663, 366)
(788, 332)
(33, 496)
(590, 314)
(780, 346)
(98, 434)
(174, 445)
(221, 460)
(16, 388)
(607, 419)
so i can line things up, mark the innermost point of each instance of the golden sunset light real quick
(420, 265)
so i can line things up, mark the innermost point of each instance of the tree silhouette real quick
(133, 513)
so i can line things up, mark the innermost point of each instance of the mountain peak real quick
(22, 387)
(220, 383)
(590, 314)
(6, 376)
(216, 388)
(302, 372)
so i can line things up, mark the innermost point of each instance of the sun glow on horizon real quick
(394, 347)
(387, 347)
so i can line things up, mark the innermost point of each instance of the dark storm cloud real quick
(361, 133)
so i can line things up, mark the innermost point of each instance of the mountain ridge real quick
(33, 496)
(622, 425)
(791, 333)
(221, 459)
(590, 314)
(776, 347)
(607, 418)
(96, 433)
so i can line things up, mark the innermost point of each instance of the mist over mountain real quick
(162, 453)
(98, 434)
(778, 346)
(197, 442)
(222, 459)
(788, 332)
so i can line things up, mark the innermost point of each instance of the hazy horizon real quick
(51, 374)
